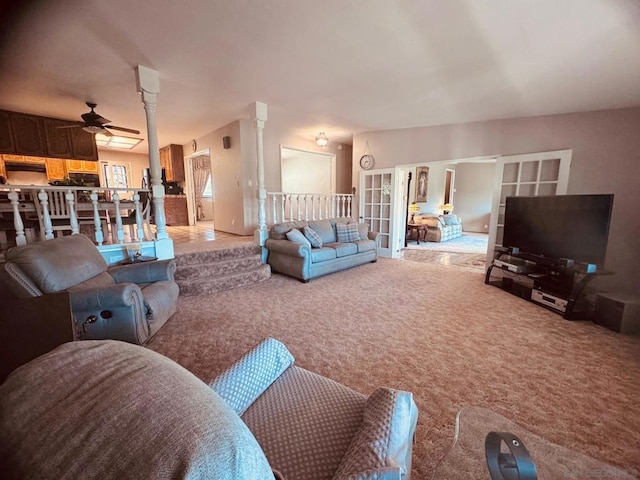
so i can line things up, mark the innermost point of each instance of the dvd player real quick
(514, 264)
(545, 298)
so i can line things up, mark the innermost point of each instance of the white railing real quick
(59, 208)
(284, 207)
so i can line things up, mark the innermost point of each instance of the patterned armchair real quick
(312, 428)
(441, 227)
(136, 414)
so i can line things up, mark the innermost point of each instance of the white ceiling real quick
(338, 66)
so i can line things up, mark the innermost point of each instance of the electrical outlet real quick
(250, 183)
(233, 222)
(486, 226)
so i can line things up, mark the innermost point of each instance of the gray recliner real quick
(128, 303)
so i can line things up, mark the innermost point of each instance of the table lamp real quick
(447, 208)
(413, 209)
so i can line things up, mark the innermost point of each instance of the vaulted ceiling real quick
(339, 66)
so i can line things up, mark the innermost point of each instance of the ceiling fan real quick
(95, 123)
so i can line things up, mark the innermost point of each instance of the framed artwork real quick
(422, 181)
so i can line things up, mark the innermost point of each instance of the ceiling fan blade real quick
(122, 129)
(70, 126)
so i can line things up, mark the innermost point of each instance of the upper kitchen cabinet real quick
(172, 160)
(6, 136)
(28, 134)
(32, 135)
(83, 144)
(58, 141)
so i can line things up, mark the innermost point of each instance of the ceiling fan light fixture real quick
(93, 129)
(322, 139)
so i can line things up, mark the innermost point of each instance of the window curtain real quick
(201, 172)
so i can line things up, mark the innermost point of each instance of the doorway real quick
(449, 186)
(199, 183)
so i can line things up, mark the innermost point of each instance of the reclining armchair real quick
(128, 303)
(137, 414)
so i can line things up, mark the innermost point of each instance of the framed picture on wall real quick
(422, 182)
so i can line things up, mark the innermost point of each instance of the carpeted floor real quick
(440, 333)
(469, 242)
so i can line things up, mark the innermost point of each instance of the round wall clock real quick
(366, 162)
(194, 145)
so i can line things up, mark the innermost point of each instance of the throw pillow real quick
(313, 237)
(451, 219)
(363, 230)
(347, 233)
(296, 235)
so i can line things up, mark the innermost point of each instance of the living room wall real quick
(606, 159)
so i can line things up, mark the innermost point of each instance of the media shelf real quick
(554, 284)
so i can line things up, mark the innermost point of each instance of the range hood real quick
(25, 167)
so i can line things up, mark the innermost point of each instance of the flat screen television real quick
(560, 226)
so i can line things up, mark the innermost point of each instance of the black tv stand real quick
(555, 284)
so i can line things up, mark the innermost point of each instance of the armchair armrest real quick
(287, 247)
(375, 236)
(113, 296)
(242, 383)
(117, 312)
(145, 272)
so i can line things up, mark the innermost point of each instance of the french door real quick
(377, 204)
(531, 174)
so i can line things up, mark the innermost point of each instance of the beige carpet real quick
(440, 333)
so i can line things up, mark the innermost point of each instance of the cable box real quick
(514, 264)
(549, 300)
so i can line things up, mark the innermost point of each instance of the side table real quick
(418, 229)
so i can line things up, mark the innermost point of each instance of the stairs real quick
(211, 271)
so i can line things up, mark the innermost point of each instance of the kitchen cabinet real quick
(81, 166)
(6, 136)
(83, 145)
(58, 141)
(172, 160)
(56, 168)
(31, 135)
(28, 134)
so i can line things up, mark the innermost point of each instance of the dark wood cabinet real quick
(6, 136)
(31, 135)
(28, 134)
(83, 144)
(58, 141)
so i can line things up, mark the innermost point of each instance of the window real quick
(208, 189)
(115, 175)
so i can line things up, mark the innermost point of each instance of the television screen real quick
(560, 226)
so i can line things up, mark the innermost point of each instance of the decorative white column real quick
(148, 85)
(261, 233)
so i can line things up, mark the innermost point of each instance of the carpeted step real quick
(217, 268)
(203, 286)
(221, 254)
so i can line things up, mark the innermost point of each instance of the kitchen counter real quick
(175, 207)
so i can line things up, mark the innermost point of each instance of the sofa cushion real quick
(313, 238)
(279, 230)
(432, 221)
(325, 229)
(343, 249)
(57, 264)
(384, 441)
(111, 410)
(347, 233)
(296, 235)
(311, 422)
(365, 245)
(322, 254)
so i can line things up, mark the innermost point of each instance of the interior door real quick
(532, 174)
(377, 202)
